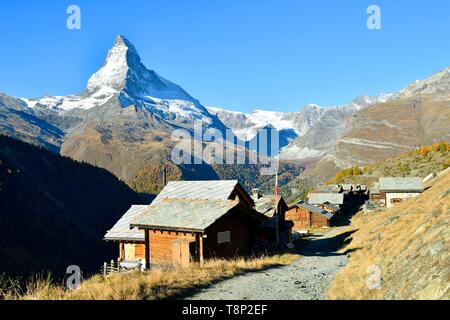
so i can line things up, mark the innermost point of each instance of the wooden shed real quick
(307, 216)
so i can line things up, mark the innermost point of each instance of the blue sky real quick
(237, 54)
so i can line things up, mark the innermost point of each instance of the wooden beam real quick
(197, 247)
(121, 251)
(147, 249)
(202, 262)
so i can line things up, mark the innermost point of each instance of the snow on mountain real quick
(246, 126)
(67, 103)
(313, 122)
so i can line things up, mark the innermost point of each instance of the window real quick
(396, 200)
(223, 237)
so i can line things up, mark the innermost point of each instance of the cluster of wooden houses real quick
(384, 193)
(192, 221)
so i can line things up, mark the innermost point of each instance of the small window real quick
(224, 237)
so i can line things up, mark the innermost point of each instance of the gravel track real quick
(309, 278)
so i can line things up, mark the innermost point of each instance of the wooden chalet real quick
(182, 231)
(375, 195)
(332, 188)
(329, 207)
(277, 229)
(321, 198)
(190, 221)
(306, 217)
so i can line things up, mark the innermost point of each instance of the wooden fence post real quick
(105, 269)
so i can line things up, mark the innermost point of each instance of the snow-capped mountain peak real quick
(124, 76)
(124, 71)
(114, 71)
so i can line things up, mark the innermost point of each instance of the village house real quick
(183, 231)
(131, 240)
(396, 190)
(341, 188)
(375, 195)
(321, 198)
(190, 221)
(276, 214)
(306, 216)
(332, 188)
(329, 207)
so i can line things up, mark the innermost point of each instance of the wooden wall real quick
(304, 219)
(319, 221)
(243, 231)
(242, 228)
(301, 218)
(162, 245)
(134, 251)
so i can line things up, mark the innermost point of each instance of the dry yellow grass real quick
(408, 243)
(152, 285)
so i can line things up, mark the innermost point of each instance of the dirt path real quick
(308, 278)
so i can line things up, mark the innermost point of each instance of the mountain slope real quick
(54, 211)
(436, 87)
(392, 128)
(308, 134)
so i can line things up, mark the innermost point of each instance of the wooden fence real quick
(109, 268)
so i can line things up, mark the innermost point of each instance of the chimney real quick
(255, 194)
(164, 176)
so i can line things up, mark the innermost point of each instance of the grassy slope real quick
(153, 285)
(409, 243)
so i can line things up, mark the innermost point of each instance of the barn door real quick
(182, 252)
